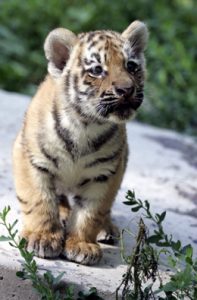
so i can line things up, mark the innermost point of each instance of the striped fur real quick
(70, 155)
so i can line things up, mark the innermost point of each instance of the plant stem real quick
(133, 264)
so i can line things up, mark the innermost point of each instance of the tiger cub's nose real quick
(124, 91)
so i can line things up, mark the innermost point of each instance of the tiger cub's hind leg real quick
(41, 225)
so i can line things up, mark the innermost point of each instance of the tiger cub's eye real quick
(97, 70)
(132, 66)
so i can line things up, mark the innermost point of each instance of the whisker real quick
(109, 102)
(108, 98)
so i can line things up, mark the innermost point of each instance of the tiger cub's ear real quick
(58, 46)
(137, 34)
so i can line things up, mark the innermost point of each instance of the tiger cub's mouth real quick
(122, 108)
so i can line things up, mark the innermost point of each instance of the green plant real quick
(138, 282)
(47, 286)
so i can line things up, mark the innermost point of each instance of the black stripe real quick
(89, 90)
(92, 44)
(83, 93)
(21, 200)
(101, 37)
(87, 82)
(31, 209)
(104, 159)
(81, 35)
(104, 138)
(113, 172)
(76, 82)
(88, 62)
(91, 93)
(96, 144)
(67, 79)
(84, 118)
(97, 56)
(106, 47)
(40, 168)
(67, 83)
(101, 178)
(85, 181)
(63, 200)
(78, 200)
(28, 212)
(104, 214)
(79, 64)
(36, 166)
(46, 223)
(64, 134)
(76, 90)
(91, 34)
(48, 156)
(83, 72)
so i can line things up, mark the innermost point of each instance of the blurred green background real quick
(171, 88)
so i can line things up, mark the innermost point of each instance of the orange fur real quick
(70, 156)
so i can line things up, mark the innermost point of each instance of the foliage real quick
(171, 55)
(142, 272)
(47, 286)
(138, 282)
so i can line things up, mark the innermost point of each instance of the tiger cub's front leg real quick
(88, 218)
(39, 206)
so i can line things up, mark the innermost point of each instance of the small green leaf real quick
(172, 262)
(4, 213)
(4, 238)
(176, 245)
(153, 239)
(48, 277)
(127, 203)
(189, 251)
(147, 204)
(13, 225)
(148, 289)
(189, 260)
(163, 244)
(20, 274)
(131, 193)
(162, 217)
(169, 287)
(57, 279)
(11, 244)
(22, 243)
(136, 208)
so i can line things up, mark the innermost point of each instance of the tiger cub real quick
(70, 155)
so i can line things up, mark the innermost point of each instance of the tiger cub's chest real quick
(90, 153)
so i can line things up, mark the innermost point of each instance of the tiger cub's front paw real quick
(82, 252)
(44, 244)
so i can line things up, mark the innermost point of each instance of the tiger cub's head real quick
(101, 73)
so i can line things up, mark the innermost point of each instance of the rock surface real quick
(162, 168)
